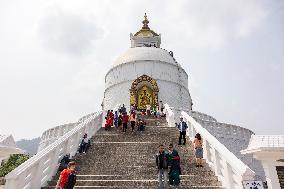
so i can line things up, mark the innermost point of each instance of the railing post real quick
(205, 150)
(75, 142)
(37, 175)
(216, 161)
(54, 158)
(227, 175)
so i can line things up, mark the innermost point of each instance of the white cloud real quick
(68, 33)
(214, 23)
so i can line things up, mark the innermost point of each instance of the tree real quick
(14, 161)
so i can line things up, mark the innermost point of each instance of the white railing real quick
(169, 115)
(52, 134)
(230, 170)
(35, 172)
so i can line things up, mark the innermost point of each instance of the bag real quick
(71, 181)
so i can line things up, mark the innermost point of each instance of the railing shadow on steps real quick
(230, 170)
(35, 172)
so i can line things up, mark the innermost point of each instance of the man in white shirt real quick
(182, 126)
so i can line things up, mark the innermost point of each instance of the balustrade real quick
(230, 170)
(36, 171)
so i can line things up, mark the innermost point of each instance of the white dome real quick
(144, 53)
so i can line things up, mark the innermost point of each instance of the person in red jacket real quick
(125, 118)
(65, 177)
(111, 117)
(109, 120)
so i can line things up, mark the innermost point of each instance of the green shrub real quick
(14, 161)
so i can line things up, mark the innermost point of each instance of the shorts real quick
(199, 152)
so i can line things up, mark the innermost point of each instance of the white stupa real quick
(146, 74)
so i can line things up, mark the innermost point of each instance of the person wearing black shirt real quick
(162, 160)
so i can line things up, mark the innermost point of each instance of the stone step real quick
(132, 158)
(138, 183)
(135, 177)
(142, 187)
(142, 171)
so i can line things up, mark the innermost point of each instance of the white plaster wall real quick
(117, 94)
(172, 81)
(155, 69)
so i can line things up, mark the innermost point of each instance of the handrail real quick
(52, 134)
(169, 115)
(230, 170)
(36, 171)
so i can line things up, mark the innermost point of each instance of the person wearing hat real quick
(182, 126)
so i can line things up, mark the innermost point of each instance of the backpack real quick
(71, 181)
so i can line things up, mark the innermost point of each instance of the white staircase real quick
(37, 171)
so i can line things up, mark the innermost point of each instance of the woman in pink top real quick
(197, 143)
(133, 120)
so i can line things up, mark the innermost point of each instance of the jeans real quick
(182, 135)
(132, 125)
(124, 127)
(163, 178)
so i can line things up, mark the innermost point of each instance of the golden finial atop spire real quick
(145, 31)
(145, 22)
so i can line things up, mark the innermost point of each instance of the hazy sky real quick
(54, 55)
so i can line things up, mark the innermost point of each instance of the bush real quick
(14, 161)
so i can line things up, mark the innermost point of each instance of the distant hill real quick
(30, 146)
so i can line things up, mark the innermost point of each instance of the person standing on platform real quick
(182, 127)
(125, 118)
(162, 160)
(111, 117)
(120, 121)
(132, 120)
(132, 108)
(148, 109)
(139, 125)
(116, 119)
(109, 120)
(123, 109)
(162, 108)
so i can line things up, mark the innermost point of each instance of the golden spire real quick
(145, 22)
(145, 30)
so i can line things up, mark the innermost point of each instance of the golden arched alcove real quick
(144, 90)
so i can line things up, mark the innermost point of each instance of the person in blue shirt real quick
(116, 119)
(182, 127)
